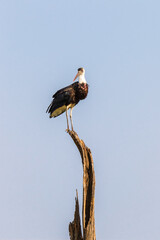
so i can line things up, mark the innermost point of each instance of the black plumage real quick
(66, 98)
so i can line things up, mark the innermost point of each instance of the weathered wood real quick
(88, 219)
(75, 226)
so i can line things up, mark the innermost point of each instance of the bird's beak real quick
(76, 77)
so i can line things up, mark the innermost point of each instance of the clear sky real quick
(42, 43)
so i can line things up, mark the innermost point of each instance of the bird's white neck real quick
(82, 79)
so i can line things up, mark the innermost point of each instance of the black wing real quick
(62, 97)
(65, 89)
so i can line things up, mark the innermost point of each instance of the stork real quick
(67, 97)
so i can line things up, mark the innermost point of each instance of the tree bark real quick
(88, 220)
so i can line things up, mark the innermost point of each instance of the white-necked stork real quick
(68, 97)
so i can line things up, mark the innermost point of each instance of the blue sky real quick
(42, 43)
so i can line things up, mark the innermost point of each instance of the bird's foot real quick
(73, 131)
(67, 130)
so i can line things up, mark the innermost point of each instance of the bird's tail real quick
(48, 109)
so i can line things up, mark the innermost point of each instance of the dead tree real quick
(88, 220)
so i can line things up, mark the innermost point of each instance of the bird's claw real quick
(67, 130)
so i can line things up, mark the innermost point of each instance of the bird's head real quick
(80, 74)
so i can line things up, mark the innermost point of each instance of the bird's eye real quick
(80, 69)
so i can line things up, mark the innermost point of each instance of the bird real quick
(67, 97)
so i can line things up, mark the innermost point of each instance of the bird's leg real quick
(67, 119)
(71, 119)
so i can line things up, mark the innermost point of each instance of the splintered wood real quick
(88, 219)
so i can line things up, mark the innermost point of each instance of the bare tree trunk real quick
(88, 196)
